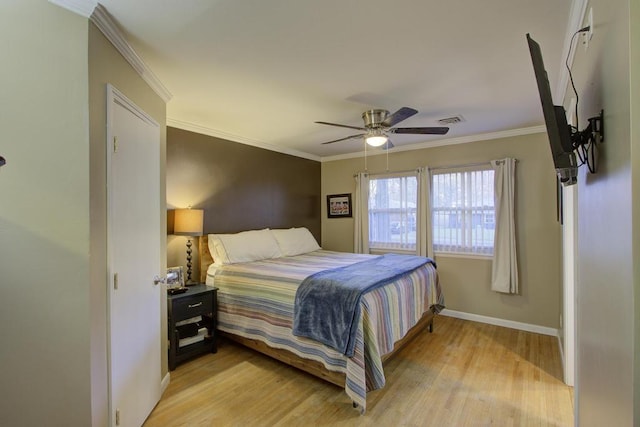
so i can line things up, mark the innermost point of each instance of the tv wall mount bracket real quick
(594, 132)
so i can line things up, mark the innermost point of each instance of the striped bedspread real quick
(256, 301)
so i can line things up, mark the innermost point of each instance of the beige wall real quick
(44, 217)
(106, 65)
(608, 220)
(634, 70)
(52, 213)
(466, 281)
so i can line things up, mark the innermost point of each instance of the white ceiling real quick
(262, 71)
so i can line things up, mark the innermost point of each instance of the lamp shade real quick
(188, 222)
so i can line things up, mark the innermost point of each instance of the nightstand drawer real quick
(196, 305)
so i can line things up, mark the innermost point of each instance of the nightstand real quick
(192, 323)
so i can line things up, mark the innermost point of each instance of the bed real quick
(257, 291)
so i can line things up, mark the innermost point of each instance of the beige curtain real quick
(504, 274)
(361, 214)
(424, 243)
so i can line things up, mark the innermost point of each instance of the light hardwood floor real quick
(463, 374)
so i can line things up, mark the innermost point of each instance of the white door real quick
(133, 240)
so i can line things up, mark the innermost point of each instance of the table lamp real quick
(188, 222)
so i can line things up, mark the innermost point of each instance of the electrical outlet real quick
(587, 35)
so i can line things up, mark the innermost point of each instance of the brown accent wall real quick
(240, 187)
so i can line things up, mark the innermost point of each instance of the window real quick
(393, 201)
(463, 211)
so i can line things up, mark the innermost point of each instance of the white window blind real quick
(393, 201)
(463, 210)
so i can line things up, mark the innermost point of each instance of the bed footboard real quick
(317, 369)
(312, 367)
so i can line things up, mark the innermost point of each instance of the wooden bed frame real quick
(310, 366)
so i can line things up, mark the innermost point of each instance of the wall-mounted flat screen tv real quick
(555, 120)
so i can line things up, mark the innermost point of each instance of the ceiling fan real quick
(378, 124)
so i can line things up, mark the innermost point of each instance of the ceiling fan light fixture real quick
(376, 137)
(376, 141)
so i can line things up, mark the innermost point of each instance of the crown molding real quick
(443, 142)
(81, 7)
(192, 127)
(112, 32)
(99, 15)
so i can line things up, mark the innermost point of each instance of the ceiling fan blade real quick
(344, 139)
(400, 115)
(421, 130)
(387, 145)
(339, 125)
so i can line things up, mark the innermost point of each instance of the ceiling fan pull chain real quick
(387, 160)
(365, 157)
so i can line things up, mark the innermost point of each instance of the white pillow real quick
(254, 245)
(295, 241)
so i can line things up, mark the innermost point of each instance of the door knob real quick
(159, 279)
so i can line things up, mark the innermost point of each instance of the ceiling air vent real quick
(451, 120)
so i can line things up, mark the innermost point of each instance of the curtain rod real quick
(389, 172)
(465, 165)
(462, 165)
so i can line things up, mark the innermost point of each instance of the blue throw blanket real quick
(327, 303)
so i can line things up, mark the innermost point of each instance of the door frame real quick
(569, 212)
(114, 96)
(569, 280)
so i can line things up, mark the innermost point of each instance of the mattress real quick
(256, 301)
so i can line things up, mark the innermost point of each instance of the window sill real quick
(391, 251)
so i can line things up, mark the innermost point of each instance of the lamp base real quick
(188, 280)
(189, 258)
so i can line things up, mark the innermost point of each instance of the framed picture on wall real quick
(339, 206)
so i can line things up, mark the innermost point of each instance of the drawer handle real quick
(195, 305)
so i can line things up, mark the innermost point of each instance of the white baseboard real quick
(561, 350)
(501, 322)
(165, 383)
